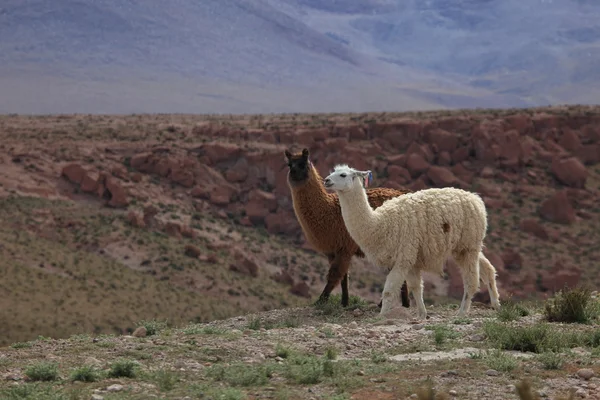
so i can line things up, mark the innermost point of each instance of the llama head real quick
(344, 178)
(299, 165)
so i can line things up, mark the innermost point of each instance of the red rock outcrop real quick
(533, 227)
(570, 172)
(100, 184)
(244, 264)
(558, 209)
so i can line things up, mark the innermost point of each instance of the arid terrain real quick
(320, 353)
(113, 222)
(109, 220)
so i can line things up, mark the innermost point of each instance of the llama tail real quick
(487, 272)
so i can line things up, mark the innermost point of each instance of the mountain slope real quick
(245, 56)
(543, 52)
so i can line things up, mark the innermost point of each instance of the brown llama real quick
(320, 216)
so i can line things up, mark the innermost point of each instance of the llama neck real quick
(358, 215)
(309, 193)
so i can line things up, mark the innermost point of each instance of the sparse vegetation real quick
(572, 306)
(42, 371)
(500, 361)
(123, 368)
(511, 311)
(86, 373)
(153, 326)
(551, 360)
(241, 374)
(442, 333)
(254, 323)
(282, 351)
(165, 379)
(333, 306)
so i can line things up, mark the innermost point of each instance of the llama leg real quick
(339, 264)
(330, 285)
(468, 261)
(345, 295)
(391, 289)
(415, 281)
(488, 275)
(403, 296)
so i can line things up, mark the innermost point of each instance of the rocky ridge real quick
(517, 154)
(536, 169)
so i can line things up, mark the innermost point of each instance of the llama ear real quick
(288, 155)
(305, 153)
(367, 176)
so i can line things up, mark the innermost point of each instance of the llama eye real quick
(343, 175)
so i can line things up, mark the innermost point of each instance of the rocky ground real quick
(318, 353)
(107, 220)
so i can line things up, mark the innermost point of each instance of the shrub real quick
(572, 306)
(87, 373)
(153, 326)
(254, 324)
(43, 371)
(501, 361)
(165, 379)
(306, 370)
(521, 338)
(241, 374)
(123, 368)
(511, 311)
(536, 338)
(282, 351)
(441, 333)
(551, 360)
(331, 353)
(334, 307)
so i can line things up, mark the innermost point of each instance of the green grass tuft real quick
(255, 324)
(241, 374)
(123, 368)
(333, 306)
(442, 333)
(500, 361)
(165, 379)
(42, 371)
(86, 373)
(511, 311)
(331, 353)
(282, 351)
(551, 360)
(572, 306)
(153, 326)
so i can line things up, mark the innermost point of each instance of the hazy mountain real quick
(295, 55)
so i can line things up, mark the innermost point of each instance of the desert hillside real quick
(108, 220)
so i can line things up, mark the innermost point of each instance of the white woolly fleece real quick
(414, 225)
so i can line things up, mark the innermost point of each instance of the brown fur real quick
(320, 216)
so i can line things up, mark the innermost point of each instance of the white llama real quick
(417, 232)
